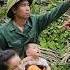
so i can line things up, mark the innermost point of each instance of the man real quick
(24, 27)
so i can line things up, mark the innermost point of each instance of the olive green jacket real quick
(12, 38)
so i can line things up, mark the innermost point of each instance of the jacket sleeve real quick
(3, 44)
(47, 18)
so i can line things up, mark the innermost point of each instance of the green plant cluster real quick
(54, 36)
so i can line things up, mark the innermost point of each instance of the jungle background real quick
(54, 40)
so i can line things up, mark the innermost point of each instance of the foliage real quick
(61, 67)
(54, 36)
(3, 12)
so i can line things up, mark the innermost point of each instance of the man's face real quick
(23, 10)
(34, 50)
(14, 61)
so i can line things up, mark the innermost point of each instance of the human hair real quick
(4, 57)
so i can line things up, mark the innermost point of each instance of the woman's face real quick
(23, 11)
(14, 62)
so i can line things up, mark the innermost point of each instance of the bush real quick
(54, 37)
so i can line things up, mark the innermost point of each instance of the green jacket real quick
(12, 38)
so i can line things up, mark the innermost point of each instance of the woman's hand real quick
(67, 24)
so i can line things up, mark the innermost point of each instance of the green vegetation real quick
(54, 37)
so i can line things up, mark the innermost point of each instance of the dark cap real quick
(6, 54)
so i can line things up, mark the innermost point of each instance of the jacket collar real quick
(13, 27)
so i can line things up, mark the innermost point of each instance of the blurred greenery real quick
(53, 37)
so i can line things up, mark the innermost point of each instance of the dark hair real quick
(4, 56)
(3, 67)
(10, 13)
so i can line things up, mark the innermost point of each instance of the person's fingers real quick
(65, 23)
